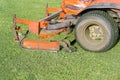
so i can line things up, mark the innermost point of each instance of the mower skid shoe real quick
(39, 45)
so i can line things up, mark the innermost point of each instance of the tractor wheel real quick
(96, 31)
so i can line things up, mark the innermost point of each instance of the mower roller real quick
(96, 24)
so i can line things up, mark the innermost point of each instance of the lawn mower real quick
(94, 22)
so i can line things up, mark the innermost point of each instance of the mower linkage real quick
(34, 27)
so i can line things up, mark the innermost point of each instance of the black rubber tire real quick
(108, 25)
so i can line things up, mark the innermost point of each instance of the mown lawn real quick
(17, 64)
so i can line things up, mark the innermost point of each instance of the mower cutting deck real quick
(44, 28)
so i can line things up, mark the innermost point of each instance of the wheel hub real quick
(96, 32)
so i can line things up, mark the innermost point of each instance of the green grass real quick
(17, 64)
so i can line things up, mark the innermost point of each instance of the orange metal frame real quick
(32, 44)
(83, 4)
(34, 27)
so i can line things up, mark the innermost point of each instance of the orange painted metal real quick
(77, 6)
(62, 15)
(33, 27)
(80, 5)
(19, 29)
(52, 34)
(41, 24)
(22, 21)
(52, 9)
(32, 44)
(47, 35)
(44, 24)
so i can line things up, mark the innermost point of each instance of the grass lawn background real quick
(17, 64)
